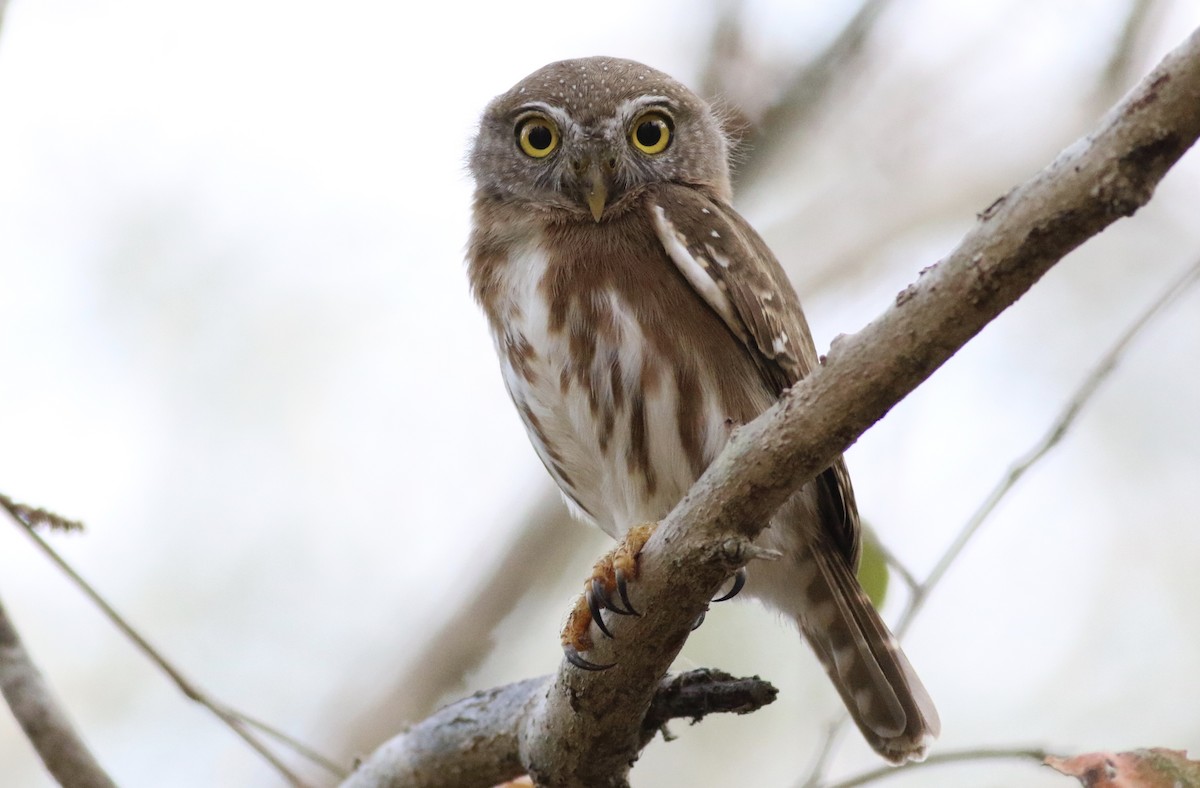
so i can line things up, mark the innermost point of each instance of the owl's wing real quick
(731, 268)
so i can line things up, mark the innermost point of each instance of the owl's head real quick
(584, 136)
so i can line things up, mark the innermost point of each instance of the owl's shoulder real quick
(732, 268)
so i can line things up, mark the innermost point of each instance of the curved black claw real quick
(595, 597)
(576, 659)
(606, 600)
(699, 620)
(623, 592)
(739, 582)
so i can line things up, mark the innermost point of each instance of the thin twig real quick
(325, 762)
(1058, 429)
(1107, 175)
(24, 688)
(236, 721)
(816, 772)
(896, 564)
(581, 728)
(35, 517)
(45, 724)
(696, 694)
(938, 759)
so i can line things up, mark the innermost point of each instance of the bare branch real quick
(474, 741)
(584, 730)
(236, 721)
(1062, 423)
(581, 732)
(698, 693)
(45, 724)
(1016, 471)
(462, 641)
(941, 758)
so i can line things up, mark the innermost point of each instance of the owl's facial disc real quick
(595, 166)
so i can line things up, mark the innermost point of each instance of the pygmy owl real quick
(638, 318)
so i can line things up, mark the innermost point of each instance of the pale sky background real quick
(236, 340)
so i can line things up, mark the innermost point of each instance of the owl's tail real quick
(879, 687)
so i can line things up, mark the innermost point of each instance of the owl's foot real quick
(611, 573)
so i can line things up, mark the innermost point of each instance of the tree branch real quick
(1048, 441)
(955, 756)
(474, 741)
(45, 724)
(584, 729)
(30, 518)
(921, 590)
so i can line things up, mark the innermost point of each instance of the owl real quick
(638, 319)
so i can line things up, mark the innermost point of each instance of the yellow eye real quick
(538, 136)
(651, 133)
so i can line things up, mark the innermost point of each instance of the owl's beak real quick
(597, 197)
(594, 182)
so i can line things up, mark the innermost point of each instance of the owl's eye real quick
(537, 136)
(651, 132)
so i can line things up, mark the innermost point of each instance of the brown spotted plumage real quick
(638, 318)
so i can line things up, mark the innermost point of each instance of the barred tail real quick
(879, 687)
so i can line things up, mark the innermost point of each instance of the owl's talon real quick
(739, 582)
(623, 592)
(605, 589)
(576, 659)
(699, 620)
(606, 600)
(595, 597)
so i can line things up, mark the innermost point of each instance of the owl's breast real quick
(624, 411)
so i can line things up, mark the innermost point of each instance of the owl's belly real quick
(603, 407)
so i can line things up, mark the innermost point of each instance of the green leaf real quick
(873, 570)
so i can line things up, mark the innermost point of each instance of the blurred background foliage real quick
(236, 340)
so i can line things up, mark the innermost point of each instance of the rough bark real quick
(475, 741)
(584, 729)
